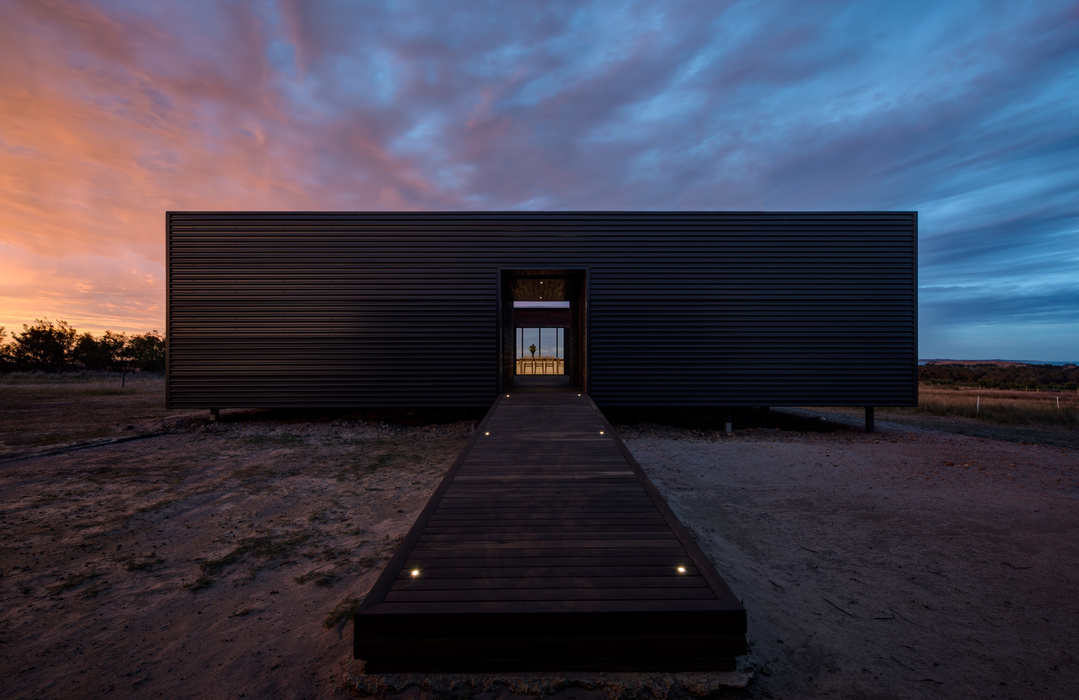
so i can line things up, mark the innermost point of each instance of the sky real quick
(549, 342)
(112, 113)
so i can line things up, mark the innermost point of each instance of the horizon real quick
(121, 112)
(996, 359)
(555, 349)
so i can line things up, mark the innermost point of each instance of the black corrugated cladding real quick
(401, 309)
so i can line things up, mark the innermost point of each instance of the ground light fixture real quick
(415, 573)
(681, 570)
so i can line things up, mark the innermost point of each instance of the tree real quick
(532, 349)
(146, 352)
(44, 345)
(7, 362)
(100, 353)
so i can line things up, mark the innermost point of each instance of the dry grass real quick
(60, 384)
(38, 408)
(345, 610)
(1007, 407)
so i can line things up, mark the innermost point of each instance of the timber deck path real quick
(546, 547)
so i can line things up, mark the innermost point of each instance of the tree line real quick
(1035, 377)
(54, 346)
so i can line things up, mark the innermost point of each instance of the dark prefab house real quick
(382, 309)
(546, 546)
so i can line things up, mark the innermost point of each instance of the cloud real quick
(94, 292)
(115, 112)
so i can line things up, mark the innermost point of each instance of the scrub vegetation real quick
(56, 346)
(341, 612)
(1003, 393)
(1007, 407)
(993, 375)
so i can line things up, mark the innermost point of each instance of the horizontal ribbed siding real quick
(401, 309)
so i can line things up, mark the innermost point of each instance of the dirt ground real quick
(906, 563)
(207, 559)
(186, 558)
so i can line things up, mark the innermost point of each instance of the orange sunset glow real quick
(108, 121)
(113, 113)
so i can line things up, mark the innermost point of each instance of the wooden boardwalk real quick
(547, 548)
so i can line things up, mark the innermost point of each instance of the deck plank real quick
(547, 528)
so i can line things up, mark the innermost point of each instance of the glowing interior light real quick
(681, 570)
(415, 572)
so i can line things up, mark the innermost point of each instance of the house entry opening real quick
(543, 323)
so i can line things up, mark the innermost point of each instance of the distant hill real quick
(998, 363)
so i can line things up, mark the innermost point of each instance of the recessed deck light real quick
(486, 433)
(415, 573)
(601, 432)
(681, 570)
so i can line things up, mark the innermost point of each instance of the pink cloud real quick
(93, 292)
(114, 120)
(113, 113)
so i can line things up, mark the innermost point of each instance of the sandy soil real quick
(906, 563)
(206, 559)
